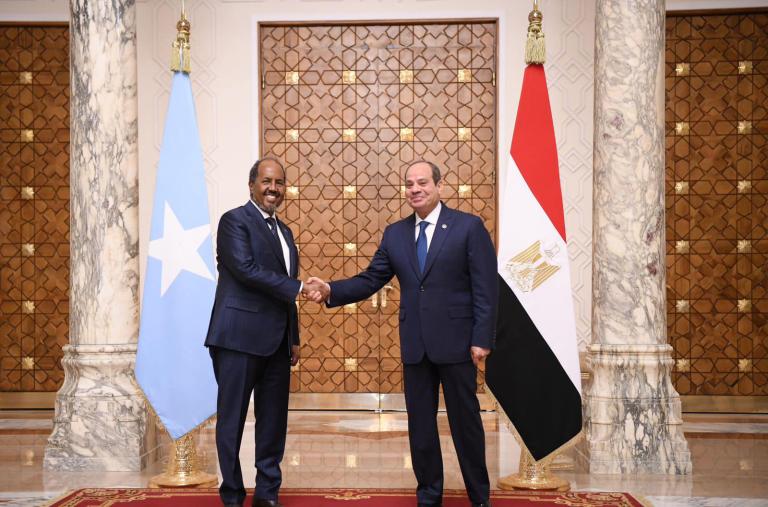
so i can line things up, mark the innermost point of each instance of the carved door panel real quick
(34, 213)
(347, 108)
(717, 211)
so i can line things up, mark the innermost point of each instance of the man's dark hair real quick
(254, 173)
(435, 170)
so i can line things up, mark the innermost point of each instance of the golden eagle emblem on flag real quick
(533, 266)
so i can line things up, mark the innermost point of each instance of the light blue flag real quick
(173, 367)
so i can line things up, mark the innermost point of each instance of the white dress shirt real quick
(283, 243)
(431, 220)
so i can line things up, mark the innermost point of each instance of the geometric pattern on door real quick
(717, 202)
(347, 108)
(34, 207)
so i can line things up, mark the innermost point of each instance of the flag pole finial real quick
(180, 59)
(535, 52)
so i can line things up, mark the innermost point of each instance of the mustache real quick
(273, 193)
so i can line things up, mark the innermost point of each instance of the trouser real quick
(268, 377)
(422, 384)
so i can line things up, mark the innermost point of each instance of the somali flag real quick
(173, 367)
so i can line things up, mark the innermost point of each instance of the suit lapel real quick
(294, 253)
(442, 229)
(263, 228)
(291, 250)
(409, 240)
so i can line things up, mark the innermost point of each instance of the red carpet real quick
(334, 498)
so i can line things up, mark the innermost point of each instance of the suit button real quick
(421, 289)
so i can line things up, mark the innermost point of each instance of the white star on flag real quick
(177, 249)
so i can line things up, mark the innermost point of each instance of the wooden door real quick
(717, 209)
(347, 108)
(34, 213)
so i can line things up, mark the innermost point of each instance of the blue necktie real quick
(421, 245)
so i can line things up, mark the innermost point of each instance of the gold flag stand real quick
(533, 475)
(183, 470)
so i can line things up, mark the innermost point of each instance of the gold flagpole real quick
(534, 475)
(183, 469)
(180, 47)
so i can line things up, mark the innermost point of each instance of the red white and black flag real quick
(534, 370)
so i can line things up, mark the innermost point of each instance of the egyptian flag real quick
(534, 370)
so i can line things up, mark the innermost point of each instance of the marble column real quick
(101, 421)
(632, 412)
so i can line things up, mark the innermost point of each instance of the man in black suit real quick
(253, 336)
(446, 265)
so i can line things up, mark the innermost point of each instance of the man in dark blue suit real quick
(446, 265)
(253, 336)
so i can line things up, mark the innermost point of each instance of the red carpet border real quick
(337, 498)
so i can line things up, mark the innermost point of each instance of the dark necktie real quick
(273, 228)
(272, 223)
(421, 245)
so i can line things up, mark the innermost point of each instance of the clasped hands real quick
(316, 290)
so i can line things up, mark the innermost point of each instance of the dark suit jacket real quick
(255, 303)
(449, 308)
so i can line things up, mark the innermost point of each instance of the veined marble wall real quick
(225, 81)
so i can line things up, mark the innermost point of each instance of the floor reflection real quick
(367, 449)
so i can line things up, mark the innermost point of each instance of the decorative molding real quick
(570, 77)
(27, 400)
(725, 404)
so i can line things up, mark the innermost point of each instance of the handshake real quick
(316, 290)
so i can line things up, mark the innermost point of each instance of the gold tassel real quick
(186, 63)
(180, 54)
(175, 57)
(535, 50)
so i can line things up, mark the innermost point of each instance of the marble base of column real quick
(633, 416)
(100, 421)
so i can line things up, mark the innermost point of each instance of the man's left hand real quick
(295, 354)
(479, 354)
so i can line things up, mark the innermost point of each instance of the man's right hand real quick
(316, 290)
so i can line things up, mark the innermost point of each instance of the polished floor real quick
(368, 449)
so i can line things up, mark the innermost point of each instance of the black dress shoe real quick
(236, 504)
(260, 502)
(430, 505)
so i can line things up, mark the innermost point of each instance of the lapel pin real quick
(445, 226)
